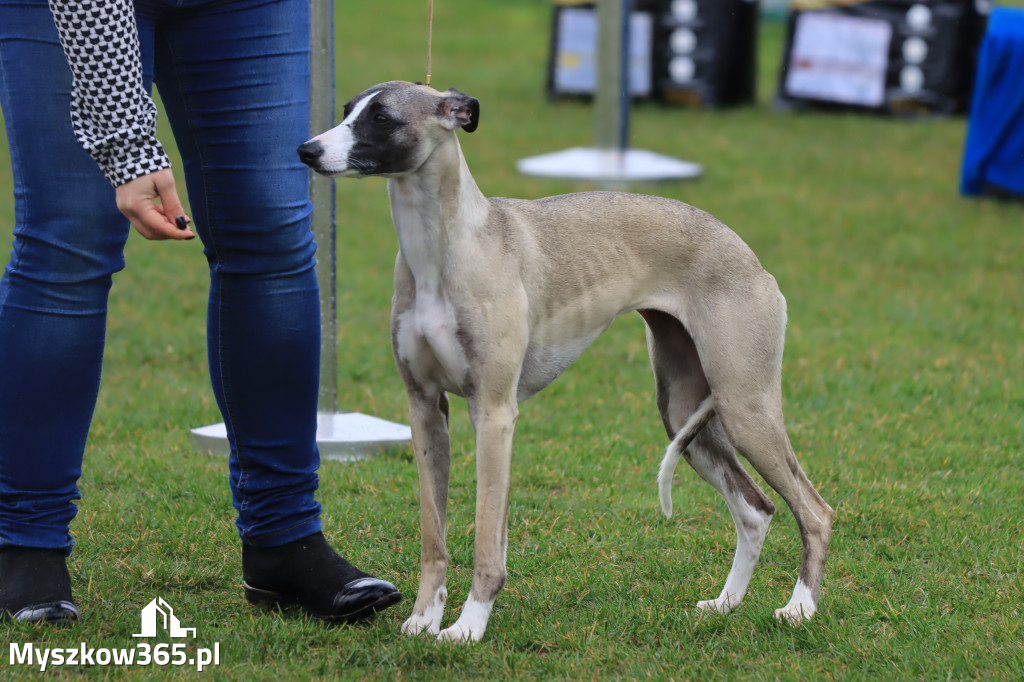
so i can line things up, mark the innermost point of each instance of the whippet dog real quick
(495, 298)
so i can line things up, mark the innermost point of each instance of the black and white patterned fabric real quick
(113, 116)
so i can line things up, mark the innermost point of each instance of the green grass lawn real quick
(903, 395)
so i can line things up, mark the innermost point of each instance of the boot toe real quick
(364, 597)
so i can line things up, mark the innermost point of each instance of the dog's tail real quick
(690, 429)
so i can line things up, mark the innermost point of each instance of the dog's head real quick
(390, 130)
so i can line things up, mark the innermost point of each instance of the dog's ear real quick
(458, 110)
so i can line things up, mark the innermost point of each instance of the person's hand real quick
(136, 199)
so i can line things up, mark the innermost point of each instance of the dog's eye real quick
(381, 118)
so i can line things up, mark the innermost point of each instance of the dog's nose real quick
(310, 152)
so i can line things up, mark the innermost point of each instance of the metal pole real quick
(625, 92)
(323, 195)
(611, 97)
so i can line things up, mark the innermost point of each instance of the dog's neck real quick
(435, 210)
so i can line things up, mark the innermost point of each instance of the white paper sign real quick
(839, 58)
(576, 59)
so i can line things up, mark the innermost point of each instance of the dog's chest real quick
(433, 326)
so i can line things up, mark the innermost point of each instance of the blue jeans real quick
(234, 78)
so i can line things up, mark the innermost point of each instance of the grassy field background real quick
(902, 388)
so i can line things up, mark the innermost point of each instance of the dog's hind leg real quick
(760, 435)
(742, 356)
(681, 385)
(712, 456)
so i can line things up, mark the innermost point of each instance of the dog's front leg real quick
(494, 424)
(428, 416)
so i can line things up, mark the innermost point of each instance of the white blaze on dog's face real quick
(339, 141)
(389, 130)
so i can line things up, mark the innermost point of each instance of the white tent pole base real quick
(611, 166)
(341, 436)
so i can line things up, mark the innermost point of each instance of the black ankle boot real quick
(35, 586)
(309, 573)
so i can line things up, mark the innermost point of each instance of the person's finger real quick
(170, 204)
(136, 200)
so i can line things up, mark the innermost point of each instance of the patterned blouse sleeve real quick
(113, 116)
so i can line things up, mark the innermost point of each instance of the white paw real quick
(722, 605)
(794, 614)
(428, 619)
(800, 608)
(418, 624)
(471, 624)
(460, 634)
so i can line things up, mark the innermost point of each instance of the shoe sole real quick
(55, 614)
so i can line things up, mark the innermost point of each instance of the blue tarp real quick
(994, 152)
